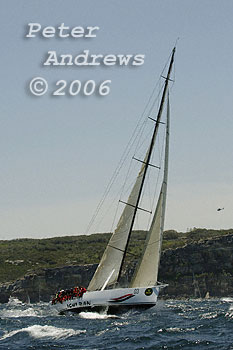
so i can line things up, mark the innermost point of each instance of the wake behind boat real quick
(106, 290)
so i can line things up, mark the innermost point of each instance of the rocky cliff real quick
(198, 268)
(190, 271)
(40, 286)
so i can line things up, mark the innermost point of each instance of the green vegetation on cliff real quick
(21, 256)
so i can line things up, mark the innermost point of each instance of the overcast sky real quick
(58, 153)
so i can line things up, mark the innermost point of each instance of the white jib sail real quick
(147, 272)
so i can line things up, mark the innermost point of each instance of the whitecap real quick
(38, 332)
(176, 330)
(96, 315)
(227, 300)
(229, 314)
(14, 301)
(125, 323)
(102, 332)
(13, 313)
(16, 309)
(173, 329)
(209, 315)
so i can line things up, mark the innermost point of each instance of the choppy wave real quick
(176, 330)
(28, 312)
(229, 314)
(96, 315)
(38, 332)
(14, 301)
(17, 309)
(227, 300)
(181, 325)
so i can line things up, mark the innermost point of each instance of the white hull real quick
(113, 299)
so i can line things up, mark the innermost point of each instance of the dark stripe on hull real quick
(77, 310)
(111, 309)
(119, 309)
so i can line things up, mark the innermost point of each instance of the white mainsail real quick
(147, 272)
(113, 255)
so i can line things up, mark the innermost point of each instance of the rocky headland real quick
(195, 270)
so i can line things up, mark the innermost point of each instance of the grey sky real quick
(58, 153)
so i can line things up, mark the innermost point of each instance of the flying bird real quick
(219, 209)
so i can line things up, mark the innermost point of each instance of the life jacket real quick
(82, 291)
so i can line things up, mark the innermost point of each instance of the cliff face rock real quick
(191, 271)
(199, 268)
(41, 286)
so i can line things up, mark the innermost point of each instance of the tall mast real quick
(147, 162)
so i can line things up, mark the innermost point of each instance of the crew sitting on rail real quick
(82, 290)
(68, 294)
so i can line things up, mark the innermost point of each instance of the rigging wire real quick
(129, 187)
(134, 137)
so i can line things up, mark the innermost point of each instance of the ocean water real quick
(190, 324)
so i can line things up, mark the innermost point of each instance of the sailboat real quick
(105, 290)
